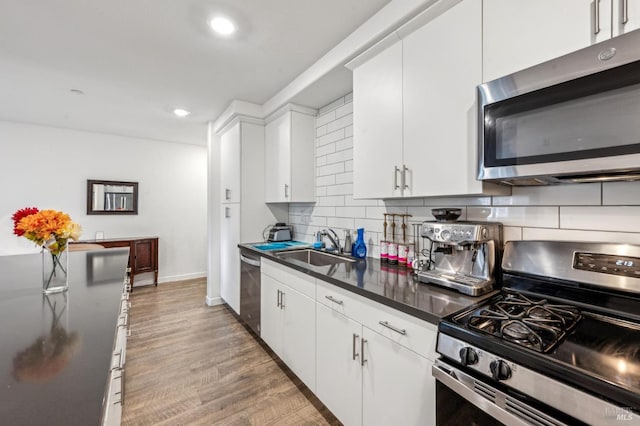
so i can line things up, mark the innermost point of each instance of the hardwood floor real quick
(188, 363)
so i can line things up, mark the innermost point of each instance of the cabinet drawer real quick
(410, 332)
(343, 301)
(289, 276)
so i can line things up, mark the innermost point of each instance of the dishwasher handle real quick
(252, 262)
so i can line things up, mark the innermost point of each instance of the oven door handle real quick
(464, 385)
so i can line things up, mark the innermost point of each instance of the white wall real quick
(608, 212)
(48, 168)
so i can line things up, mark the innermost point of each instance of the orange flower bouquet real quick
(50, 229)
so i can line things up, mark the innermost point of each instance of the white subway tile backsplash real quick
(330, 137)
(605, 218)
(348, 131)
(344, 189)
(340, 222)
(326, 180)
(325, 118)
(350, 212)
(378, 212)
(404, 202)
(345, 143)
(318, 220)
(320, 191)
(331, 169)
(421, 214)
(348, 97)
(621, 193)
(457, 201)
(346, 177)
(326, 149)
(556, 195)
(541, 217)
(300, 208)
(348, 166)
(321, 131)
(345, 155)
(340, 123)
(321, 161)
(336, 201)
(371, 225)
(577, 235)
(333, 105)
(511, 233)
(324, 211)
(344, 110)
(350, 201)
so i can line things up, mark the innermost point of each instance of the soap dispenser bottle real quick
(360, 249)
(347, 242)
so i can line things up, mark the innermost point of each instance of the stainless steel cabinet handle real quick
(625, 12)
(282, 294)
(390, 327)
(362, 360)
(286, 191)
(355, 355)
(227, 194)
(596, 17)
(339, 302)
(395, 177)
(227, 212)
(278, 300)
(405, 169)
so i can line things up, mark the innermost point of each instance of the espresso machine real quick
(460, 255)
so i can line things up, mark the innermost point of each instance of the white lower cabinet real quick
(397, 386)
(338, 369)
(288, 326)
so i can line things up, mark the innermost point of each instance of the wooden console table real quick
(143, 253)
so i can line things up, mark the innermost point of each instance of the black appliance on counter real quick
(280, 232)
(559, 345)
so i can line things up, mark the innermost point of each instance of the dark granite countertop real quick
(58, 375)
(391, 285)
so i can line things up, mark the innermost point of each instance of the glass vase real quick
(55, 268)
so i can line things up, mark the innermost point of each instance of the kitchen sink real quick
(313, 257)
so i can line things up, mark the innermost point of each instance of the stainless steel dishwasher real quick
(250, 289)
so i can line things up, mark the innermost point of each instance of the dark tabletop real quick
(391, 285)
(54, 372)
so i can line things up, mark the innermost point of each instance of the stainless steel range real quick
(560, 345)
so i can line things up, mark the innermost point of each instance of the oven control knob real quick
(500, 370)
(468, 356)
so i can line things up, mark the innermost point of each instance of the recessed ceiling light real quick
(222, 25)
(181, 112)
(76, 91)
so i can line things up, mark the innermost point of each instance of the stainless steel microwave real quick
(572, 119)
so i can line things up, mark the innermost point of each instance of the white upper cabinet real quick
(230, 151)
(442, 65)
(377, 124)
(521, 33)
(290, 156)
(414, 108)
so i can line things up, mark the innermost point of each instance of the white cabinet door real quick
(299, 320)
(338, 370)
(397, 386)
(230, 255)
(518, 34)
(230, 151)
(377, 125)
(271, 327)
(626, 16)
(440, 75)
(278, 159)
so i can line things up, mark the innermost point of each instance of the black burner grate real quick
(533, 323)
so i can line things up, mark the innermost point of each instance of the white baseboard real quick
(213, 301)
(170, 278)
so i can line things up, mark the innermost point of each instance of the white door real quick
(230, 152)
(278, 159)
(440, 103)
(271, 330)
(626, 16)
(377, 125)
(299, 335)
(518, 34)
(338, 370)
(397, 386)
(230, 255)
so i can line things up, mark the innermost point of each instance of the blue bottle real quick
(360, 249)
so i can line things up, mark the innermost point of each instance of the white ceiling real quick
(136, 60)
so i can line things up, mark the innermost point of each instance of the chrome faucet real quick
(333, 237)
